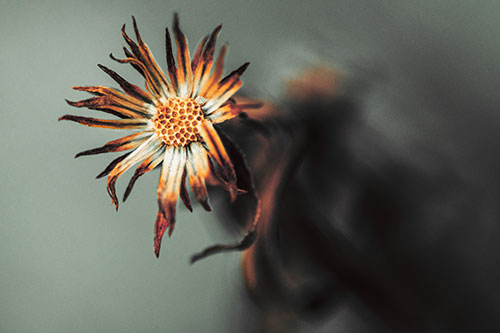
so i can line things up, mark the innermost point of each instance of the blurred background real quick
(387, 210)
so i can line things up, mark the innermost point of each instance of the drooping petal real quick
(184, 72)
(184, 193)
(144, 151)
(226, 88)
(105, 123)
(147, 165)
(168, 189)
(161, 225)
(218, 153)
(125, 143)
(198, 169)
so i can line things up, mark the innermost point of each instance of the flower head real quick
(173, 119)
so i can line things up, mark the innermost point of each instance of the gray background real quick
(70, 263)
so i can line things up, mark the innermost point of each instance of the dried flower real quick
(174, 121)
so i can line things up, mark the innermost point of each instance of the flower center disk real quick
(176, 122)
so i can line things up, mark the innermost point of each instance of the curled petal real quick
(161, 225)
(129, 54)
(184, 193)
(144, 151)
(147, 165)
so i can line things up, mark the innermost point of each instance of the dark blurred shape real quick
(346, 221)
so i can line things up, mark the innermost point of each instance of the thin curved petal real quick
(141, 52)
(112, 165)
(110, 99)
(105, 123)
(161, 225)
(128, 87)
(125, 143)
(144, 151)
(151, 85)
(147, 165)
(184, 193)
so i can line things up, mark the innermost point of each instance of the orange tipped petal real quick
(198, 169)
(208, 87)
(147, 165)
(184, 73)
(144, 151)
(184, 193)
(218, 152)
(128, 87)
(113, 101)
(112, 165)
(172, 70)
(125, 143)
(105, 123)
(161, 225)
(198, 53)
(168, 190)
(170, 179)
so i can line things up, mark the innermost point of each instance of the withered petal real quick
(127, 142)
(184, 193)
(112, 165)
(128, 87)
(105, 123)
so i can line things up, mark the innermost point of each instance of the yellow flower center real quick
(176, 122)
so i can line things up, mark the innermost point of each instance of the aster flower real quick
(173, 119)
